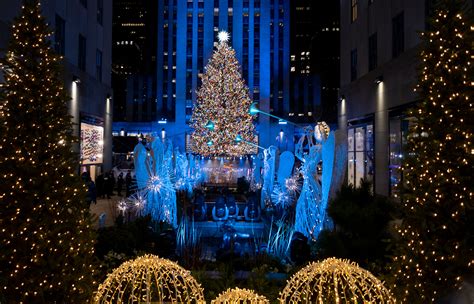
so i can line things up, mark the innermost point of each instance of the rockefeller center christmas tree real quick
(436, 246)
(45, 232)
(221, 111)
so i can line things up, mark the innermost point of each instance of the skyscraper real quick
(133, 63)
(314, 60)
(186, 33)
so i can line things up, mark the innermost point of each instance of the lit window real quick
(353, 10)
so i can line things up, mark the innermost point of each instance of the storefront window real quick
(399, 128)
(360, 142)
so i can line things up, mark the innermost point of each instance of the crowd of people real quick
(105, 185)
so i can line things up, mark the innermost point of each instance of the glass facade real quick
(360, 158)
(399, 129)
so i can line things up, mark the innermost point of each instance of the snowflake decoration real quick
(138, 201)
(280, 197)
(122, 206)
(293, 184)
(155, 183)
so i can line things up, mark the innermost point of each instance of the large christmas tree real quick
(436, 245)
(221, 111)
(45, 232)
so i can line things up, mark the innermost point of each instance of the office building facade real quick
(83, 36)
(134, 39)
(186, 35)
(378, 76)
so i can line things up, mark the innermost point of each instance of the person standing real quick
(100, 185)
(91, 196)
(109, 184)
(120, 184)
(128, 184)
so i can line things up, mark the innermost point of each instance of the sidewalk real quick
(107, 206)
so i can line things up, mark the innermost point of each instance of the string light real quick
(238, 295)
(220, 112)
(149, 279)
(433, 251)
(45, 228)
(335, 281)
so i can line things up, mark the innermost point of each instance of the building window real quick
(398, 35)
(398, 137)
(84, 3)
(60, 36)
(100, 11)
(360, 158)
(81, 60)
(353, 64)
(372, 51)
(353, 10)
(98, 65)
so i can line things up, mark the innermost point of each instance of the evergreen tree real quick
(45, 230)
(436, 248)
(221, 111)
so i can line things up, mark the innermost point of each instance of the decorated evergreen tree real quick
(221, 111)
(45, 230)
(436, 245)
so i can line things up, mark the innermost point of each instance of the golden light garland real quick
(237, 295)
(335, 281)
(150, 279)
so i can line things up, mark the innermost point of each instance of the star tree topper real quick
(223, 36)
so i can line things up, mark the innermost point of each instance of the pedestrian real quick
(91, 196)
(128, 184)
(100, 183)
(109, 183)
(120, 184)
(91, 192)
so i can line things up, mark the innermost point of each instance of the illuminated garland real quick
(221, 109)
(237, 295)
(335, 281)
(149, 279)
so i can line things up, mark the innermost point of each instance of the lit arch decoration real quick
(237, 296)
(335, 281)
(149, 279)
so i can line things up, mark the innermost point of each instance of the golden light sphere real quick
(335, 281)
(237, 296)
(149, 279)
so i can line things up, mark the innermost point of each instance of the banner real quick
(92, 144)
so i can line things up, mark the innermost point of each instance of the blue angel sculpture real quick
(312, 203)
